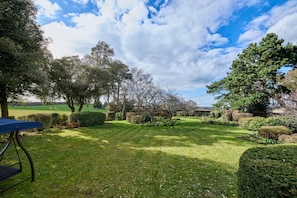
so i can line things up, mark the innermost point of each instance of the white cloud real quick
(179, 45)
(46, 8)
(81, 1)
(280, 20)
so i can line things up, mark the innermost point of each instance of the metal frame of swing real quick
(8, 171)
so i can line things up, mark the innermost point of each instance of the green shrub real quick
(87, 118)
(256, 123)
(164, 122)
(236, 116)
(59, 119)
(110, 115)
(273, 121)
(216, 114)
(245, 122)
(273, 132)
(268, 172)
(136, 119)
(119, 116)
(290, 122)
(227, 115)
(129, 116)
(45, 119)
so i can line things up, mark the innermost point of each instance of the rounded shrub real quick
(268, 172)
(87, 118)
(273, 132)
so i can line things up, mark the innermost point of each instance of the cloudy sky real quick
(183, 44)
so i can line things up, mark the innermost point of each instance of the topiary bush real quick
(87, 118)
(268, 172)
(273, 132)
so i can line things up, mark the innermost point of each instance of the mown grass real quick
(118, 159)
(22, 110)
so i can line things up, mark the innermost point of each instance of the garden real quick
(120, 159)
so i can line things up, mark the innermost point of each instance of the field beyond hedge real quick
(118, 159)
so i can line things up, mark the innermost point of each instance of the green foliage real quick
(236, 116)
(268, 172)
(254, 123)
(253, 78)
(216, 114)
(119, 116)
(290, 122)
(216, 121)
(88, 118)
(22, 49)
(273, 132)
(59, 119)
(159, 121)
(110, 115)
(98, 104)
(45, 119)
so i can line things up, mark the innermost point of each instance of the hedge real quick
(273, 132)
(87, 118)
(268, 172)
(45, 119)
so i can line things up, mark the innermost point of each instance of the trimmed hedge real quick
(268, 172)
(87, 118)
(273, 132)
(236, 116)
(45, 119)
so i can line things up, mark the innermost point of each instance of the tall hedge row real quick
(87, 118)
(268, 172)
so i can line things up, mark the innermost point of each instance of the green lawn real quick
(55, 108)
(118, 159)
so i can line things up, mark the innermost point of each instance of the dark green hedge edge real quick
(88, 118)
(268, 172)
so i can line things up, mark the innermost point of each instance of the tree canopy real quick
(22, 47)
(253, 77)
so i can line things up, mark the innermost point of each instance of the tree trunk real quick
(81, 105)
(4, 108)
(4, 104)
(70, 104)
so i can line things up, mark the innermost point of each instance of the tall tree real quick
(21, 49)
(252, 80)
(71, 81)
(100, 60)
(119, 72)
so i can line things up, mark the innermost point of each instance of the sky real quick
(184, 44)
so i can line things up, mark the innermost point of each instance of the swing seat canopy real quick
(9, 125)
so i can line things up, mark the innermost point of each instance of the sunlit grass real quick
(54, 108)
(124, 160)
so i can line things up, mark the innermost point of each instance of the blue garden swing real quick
(12, 128)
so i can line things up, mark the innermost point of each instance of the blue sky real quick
(184, 44)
